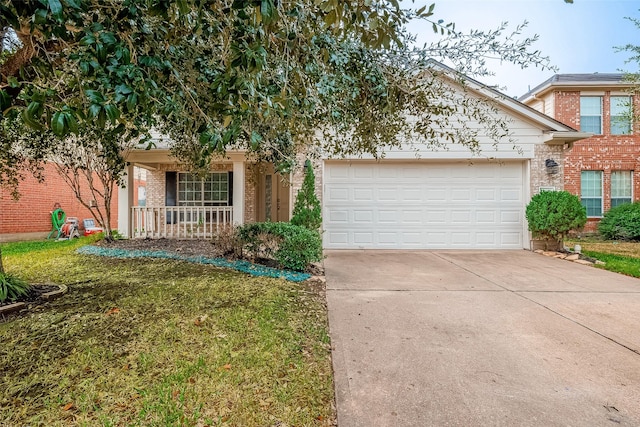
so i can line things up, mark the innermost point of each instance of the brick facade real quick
(31, 213)
(604, 152)
(560, 95)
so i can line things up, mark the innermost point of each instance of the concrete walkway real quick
(444, 338)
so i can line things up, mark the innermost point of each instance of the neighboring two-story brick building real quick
(604, 170)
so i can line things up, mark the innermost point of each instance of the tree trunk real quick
(1, 266)
(108, 236)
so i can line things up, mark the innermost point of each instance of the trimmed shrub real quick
(553, 214)
(12, 287)
(621, 222)
(292, 246)
(226, 240)
(306, 211)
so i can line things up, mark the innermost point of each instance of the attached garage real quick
(425, 204)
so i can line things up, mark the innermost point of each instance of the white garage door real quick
(415, 205)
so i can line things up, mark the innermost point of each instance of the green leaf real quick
(132, 102)
(5, 101)
(205, 137)
(256, 139)
(123, 89)
(94, 96)
(101, 52)
(94, 110)
(58, 125)
(29, 120)
(87, 40)
(101, 119)
(107, 38)
(183, 7)
(266, 9)
(112, 112)
(56, 8)
(40, 16)
(72, 123)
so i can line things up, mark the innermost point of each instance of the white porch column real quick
(238, 192)
(125, 201)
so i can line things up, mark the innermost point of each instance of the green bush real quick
(292, 246)
(553, 214)
(621, 222)
(12, 287)
(307, 211)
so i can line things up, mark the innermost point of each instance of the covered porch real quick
(183, 205)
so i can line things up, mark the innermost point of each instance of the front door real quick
(273, 196)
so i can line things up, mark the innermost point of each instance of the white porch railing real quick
(179, 222)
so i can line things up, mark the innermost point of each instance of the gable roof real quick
(555, 131)
(577, 80)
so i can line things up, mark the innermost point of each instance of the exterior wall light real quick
(552, 166)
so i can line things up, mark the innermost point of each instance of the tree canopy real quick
(262, 75)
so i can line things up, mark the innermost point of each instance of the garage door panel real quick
(510, 239)
(487, 217)
(422, 205)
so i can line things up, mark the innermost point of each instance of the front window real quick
(621, 185)
(620, 115)
(194, 191)
(212, 190)
(591, 192)
(591, 114)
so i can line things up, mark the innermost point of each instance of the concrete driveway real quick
(482, 338)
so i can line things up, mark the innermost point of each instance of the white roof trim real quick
(542, 120)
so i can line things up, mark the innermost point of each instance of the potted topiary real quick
(551, 216)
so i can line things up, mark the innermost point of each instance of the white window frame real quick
(584, 198)
(627, 173)
(625, 120)
(202, 201)
(590, 115)
(190, 178)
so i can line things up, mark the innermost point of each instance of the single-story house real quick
(416, 198)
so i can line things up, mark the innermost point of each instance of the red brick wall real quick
(604, 152)
(31, 213)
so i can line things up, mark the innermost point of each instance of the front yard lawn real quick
(162, 343)
(620, 257)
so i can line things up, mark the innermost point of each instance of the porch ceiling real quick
(151, 159)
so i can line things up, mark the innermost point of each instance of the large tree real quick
(261, 74)
(264, 75)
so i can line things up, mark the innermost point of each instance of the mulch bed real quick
(183, 247)
(190, 247)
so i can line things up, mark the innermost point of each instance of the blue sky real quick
(579, 37)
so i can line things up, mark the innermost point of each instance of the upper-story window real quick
(591, 114)
(620, 115)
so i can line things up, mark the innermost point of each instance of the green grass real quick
(161, 343)
(617, 263)
(618, 256)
